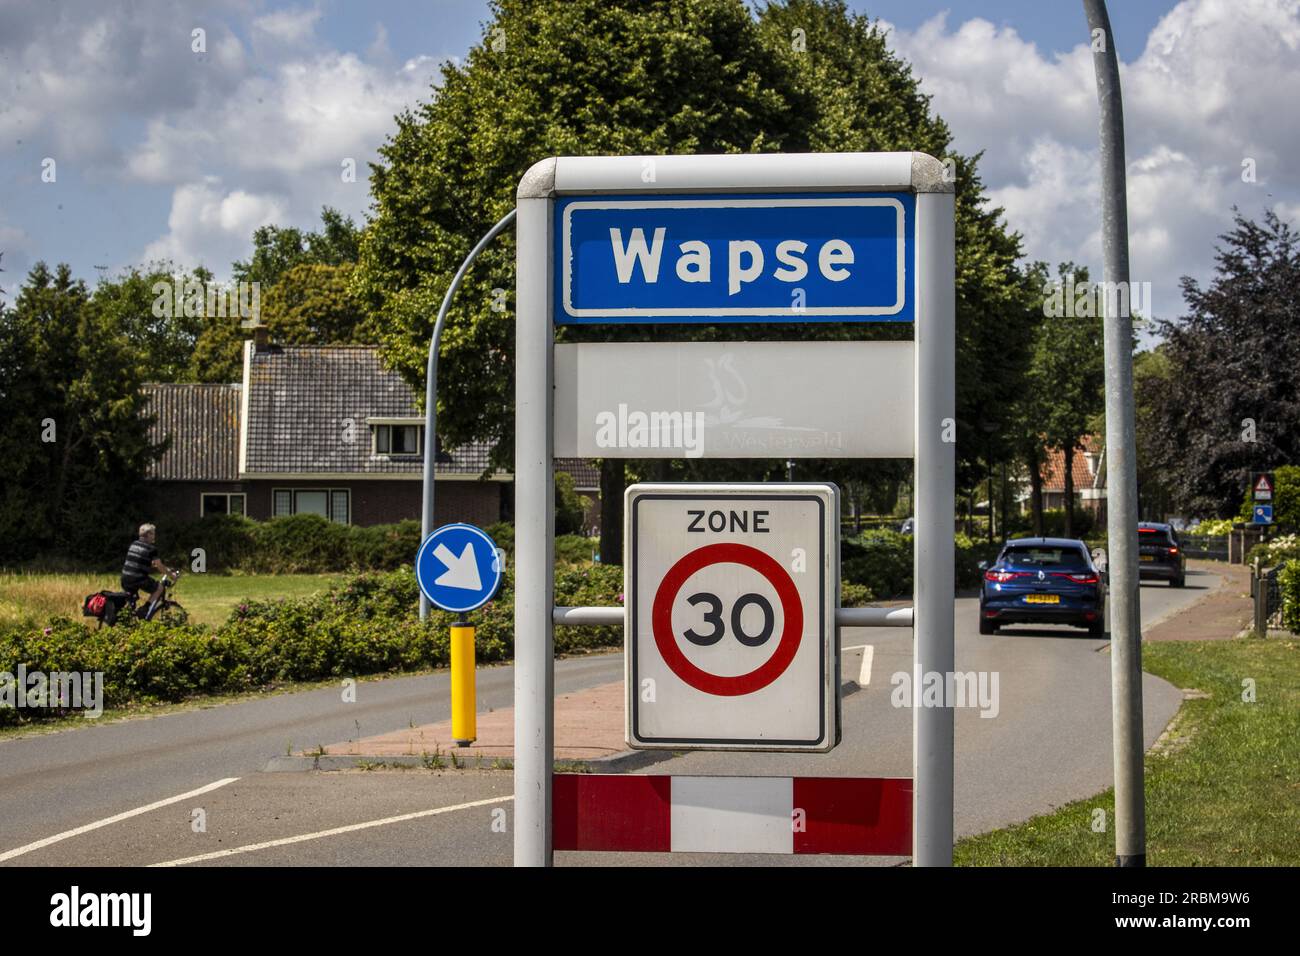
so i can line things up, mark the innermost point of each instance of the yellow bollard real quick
(463, 729)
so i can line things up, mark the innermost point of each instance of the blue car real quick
(1042, 581)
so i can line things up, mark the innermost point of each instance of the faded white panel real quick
(734, 400)
(732, 814)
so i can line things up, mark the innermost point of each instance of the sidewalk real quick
(588, 726)
(1221, 615)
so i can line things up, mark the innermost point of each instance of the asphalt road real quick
(1049, 743)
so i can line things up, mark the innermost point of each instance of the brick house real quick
(1089, 478)
(311, 429)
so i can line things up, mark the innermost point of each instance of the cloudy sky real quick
(162, 152)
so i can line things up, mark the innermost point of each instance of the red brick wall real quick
(176, 501)
(373, 502)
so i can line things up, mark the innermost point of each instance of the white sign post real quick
(731, 599)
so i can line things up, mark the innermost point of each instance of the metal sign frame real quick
(933, 300)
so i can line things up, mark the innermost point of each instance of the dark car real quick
(1042, 581)
(1160, 554)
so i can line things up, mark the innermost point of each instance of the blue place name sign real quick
(735, 258)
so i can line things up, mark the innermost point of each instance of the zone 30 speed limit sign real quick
(732, 592)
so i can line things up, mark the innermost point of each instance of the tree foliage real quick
(596, 77)
(1230, 403)
(154, 321)
(74, 436)
(304, 281)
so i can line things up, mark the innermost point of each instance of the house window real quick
(221, 504)
(332, 503)
(397, 439)
(311, 503)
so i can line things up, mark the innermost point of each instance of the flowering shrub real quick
(1285, 547)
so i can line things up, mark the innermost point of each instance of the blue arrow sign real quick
(744, 258)
(1263, 514)
(458, 567)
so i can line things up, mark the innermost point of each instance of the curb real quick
(624, 761)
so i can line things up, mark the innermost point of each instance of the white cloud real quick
(73, 73)
(16, 261)
(1215, 84)
(285, 135)
(289, 26)
(210, 225)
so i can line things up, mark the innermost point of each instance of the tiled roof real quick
(586, 474)
(307, 412)
(203, 423)
(1054, 466)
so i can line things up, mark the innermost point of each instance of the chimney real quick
(261, 337)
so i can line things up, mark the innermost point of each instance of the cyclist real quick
(141, 558)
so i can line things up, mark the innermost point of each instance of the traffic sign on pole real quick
(1263, 514)
(829, 237)
(731, 599)
(1262, 486)
(458, 567)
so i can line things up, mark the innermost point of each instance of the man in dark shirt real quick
(141, 558)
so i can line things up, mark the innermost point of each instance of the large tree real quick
(304, 291)
(1229, 402)
(620, 77)
(153, 318)
(74, 436)
(1069, 366)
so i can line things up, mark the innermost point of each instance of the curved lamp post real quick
(431, 388)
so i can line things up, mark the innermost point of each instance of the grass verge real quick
(208, 598)
(1223, 786)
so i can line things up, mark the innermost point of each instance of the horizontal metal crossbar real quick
(844, 617)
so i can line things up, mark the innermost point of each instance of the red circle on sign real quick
(661, 619)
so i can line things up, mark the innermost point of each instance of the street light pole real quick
(1121, 455)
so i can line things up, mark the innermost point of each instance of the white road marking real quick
(350, 828)
(864, 673)
(68, 834)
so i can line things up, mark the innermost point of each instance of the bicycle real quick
(105, 606)
(163, 604)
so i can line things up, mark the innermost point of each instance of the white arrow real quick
(461, 572)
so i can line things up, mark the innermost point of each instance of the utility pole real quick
(1121, 452)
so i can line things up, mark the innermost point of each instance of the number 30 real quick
(713, 616)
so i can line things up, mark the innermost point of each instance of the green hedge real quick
(1288, 580)
(296, 544)
(1085, 523)
(310, 544)
(882, 562)
(370, 625)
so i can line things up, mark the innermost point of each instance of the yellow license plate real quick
(1148, 557)
(1042, 599)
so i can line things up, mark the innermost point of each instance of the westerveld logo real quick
(75, 908)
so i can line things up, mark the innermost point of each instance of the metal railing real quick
(1208, 546)
(844, 617)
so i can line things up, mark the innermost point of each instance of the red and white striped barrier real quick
(680, 814)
